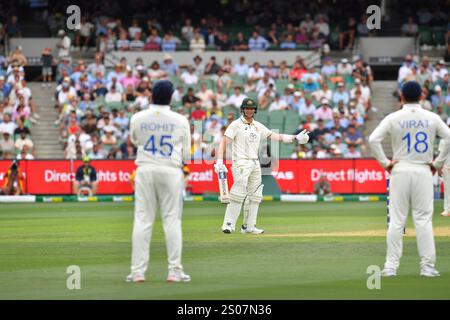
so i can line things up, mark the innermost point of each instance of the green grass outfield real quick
(309, 251)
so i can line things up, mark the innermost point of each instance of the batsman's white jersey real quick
(446, 177)
(246, 169)
(163, 140)
(412, 133)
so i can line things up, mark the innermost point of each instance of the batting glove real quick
(302, 137)
(219, 166)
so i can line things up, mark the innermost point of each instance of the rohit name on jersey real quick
(414, 124)
(152, 126)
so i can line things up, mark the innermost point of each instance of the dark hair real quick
(411, 91)
(162, 92)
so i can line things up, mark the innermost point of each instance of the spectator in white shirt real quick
(113, 95)
(241, 68)
(322, 26)
(205, 95)
(64, 45)
(406, 69)
(344, 68)
(264, 83)
(197, 43)
(187, 31)
(439, 71)
(83, 36)
(410, 29)
(189, 77)
(308, 108)
(256, 72)
(278, 104)
(134, 29)
(322, 93)
(236, 98)
(307, 23)
(352, 152)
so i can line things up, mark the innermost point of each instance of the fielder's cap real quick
(437, 88)
(86, 159)
(248, 103)
(411, 91)
(162, 92)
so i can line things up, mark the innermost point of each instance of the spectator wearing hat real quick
(85, 176)
(439, 71)
(324, 112)
(169, 66)
(64, 46)
(438, 99)
(344, 68)
(17, 57)
(297, 101)
(341, 94)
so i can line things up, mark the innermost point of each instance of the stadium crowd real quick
(17, 109)
(286, 25)
(331, 101)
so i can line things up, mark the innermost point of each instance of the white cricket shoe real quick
(254, 230)
(388, 272)
(243, 229)
(178, 277)
(445, 213)
(227, 228)
(138, 278)
(429, 272)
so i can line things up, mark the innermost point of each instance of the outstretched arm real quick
(302, 137)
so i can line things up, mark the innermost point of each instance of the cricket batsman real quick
(412, 131)
(163, 141)
(444, 172)
(245, 135)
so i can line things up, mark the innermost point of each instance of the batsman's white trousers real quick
(446, 177)
(411, 186)
(157, 187)
(246, 181)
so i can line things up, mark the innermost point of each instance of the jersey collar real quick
(411, 105)
(245, 121)
(159, 106)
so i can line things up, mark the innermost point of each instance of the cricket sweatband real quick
(287, 138)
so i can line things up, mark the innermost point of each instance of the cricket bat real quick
(223, 187)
